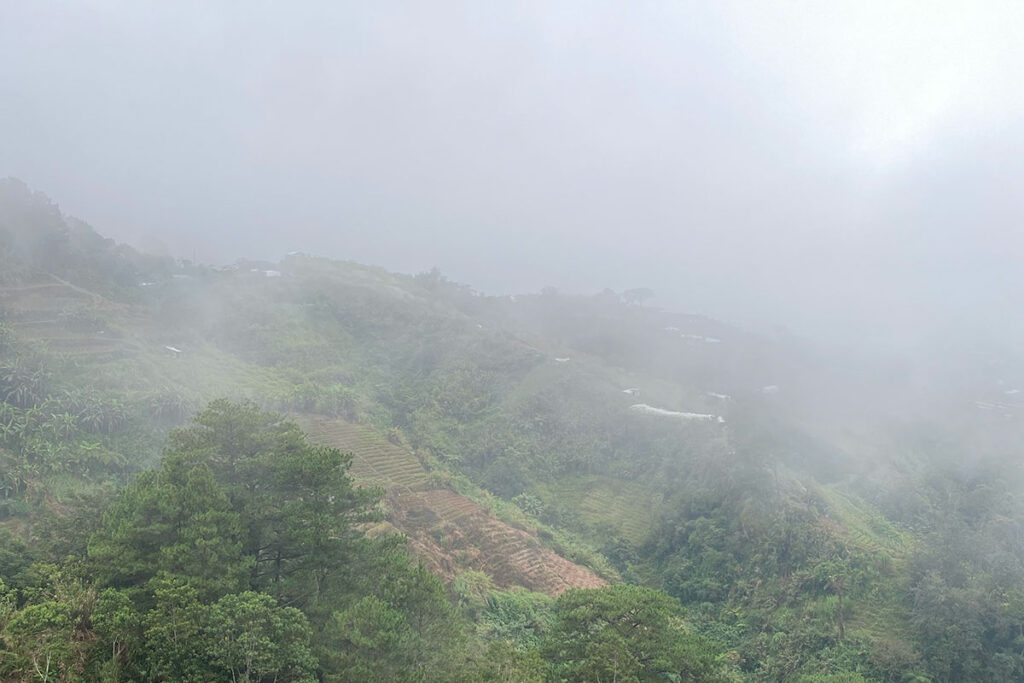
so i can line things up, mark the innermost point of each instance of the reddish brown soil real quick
(450, 532)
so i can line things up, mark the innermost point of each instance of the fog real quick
(848, 170)
(748, 377)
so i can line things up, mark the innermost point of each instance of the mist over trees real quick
(313, 469)
(511, 342)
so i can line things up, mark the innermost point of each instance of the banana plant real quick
(61, 426)
(21, 385)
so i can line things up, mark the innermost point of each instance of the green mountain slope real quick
(818, 516)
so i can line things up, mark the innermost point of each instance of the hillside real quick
(451, 532)
(817, 514)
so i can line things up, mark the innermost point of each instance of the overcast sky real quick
(826, 164)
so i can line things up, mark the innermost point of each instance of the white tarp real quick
(651, 410)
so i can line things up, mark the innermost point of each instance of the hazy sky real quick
(832, 163)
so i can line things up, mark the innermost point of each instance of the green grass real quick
(865, 527)
(604, 502)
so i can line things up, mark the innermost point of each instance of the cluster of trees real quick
(241, 557)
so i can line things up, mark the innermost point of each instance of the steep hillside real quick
(169, 351)
(817, 513)
(452, 533)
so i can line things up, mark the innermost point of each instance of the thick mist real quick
(849, 172)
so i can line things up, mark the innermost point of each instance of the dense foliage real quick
(241, 558)
(822, 531)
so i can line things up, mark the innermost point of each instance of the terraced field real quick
(863, 526)
(43, 310)
(602, 502)
(377, 461)
(449, 531)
